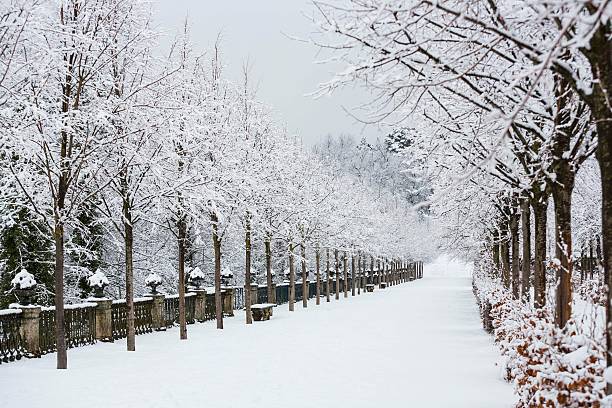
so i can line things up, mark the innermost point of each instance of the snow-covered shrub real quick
(23, 280)
(548, 366)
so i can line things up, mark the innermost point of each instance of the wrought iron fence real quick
(79, 327)
(143, 318)
(11, 343)
(190, 308)
(46, 331)
(210, 309)
(238, 298)
(170, 310)
(312, 290)
(262, 294)
(282, 294)
(119, 319)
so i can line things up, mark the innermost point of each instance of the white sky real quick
(283, 69)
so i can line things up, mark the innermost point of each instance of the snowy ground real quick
(414, 345)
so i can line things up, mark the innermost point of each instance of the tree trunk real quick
(291, 278)
(337, 266)
(345, 264)
(327, 283)
(539, 281)
(128, 232)
(372, 269)
(526, 267)
(269, 269)
(247, 271)
(601, 66)
(353, 281)
(563, 252)
(217, 248)
(505, 254)
(304, 276)
(495, 239)
(317, 260)
(562, 188)
(514, 234)
(60, 336)
(182, 233)
(359, 274)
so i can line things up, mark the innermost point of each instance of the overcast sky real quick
(283, 69)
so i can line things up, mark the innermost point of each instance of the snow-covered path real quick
(414, 345)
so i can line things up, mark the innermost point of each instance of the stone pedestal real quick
(104, 327)
(227, 298)
(200, 304)
(254, 290)
(158, 320)
(30, 321)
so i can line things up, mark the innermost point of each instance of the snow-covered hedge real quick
(548, 366)
(23, 280)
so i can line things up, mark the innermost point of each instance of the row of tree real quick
(114, 157)
(506, 106)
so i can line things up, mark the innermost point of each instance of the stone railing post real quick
(227, 298)
(200, 304)
(157, 312)
(254, 291)
(30, 321)
(104, 327)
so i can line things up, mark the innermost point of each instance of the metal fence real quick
(210, 308)
(238, 298)
(80, 320)
(262, 294)
(11, 345)
(171, 309)
(79, 327)
(282, 294)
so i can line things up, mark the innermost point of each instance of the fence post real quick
(30, 321)
(104, 327)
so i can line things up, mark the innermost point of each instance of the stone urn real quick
(196, 278)
(24, 287)
(226, 277)
(97, 282)
(152, 281)
(26, 297)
